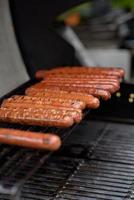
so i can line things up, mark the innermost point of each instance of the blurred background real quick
(102, 32)
(42, 34)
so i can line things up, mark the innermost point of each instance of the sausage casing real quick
(43, 75)
(39, 117)
(81, 80)
(105, 95)
(119, 72)
(45, 141)
(90, 101)
(76, 114)
(94, 84)
(52, 101)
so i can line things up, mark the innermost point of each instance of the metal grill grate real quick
(96, 162)
(17, 165)
(98, 180)
(50, 177)
(108, 173)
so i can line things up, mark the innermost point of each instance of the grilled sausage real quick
(81, 80)
(86, 70)
(45, 141)
(52, 101)
(110, 70)
(111, 87)
(43, 85)
(39, 117)
(91, 102)
(76, 114)
(41, 74)
(105, 95)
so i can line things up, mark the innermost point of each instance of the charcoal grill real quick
(96, 160)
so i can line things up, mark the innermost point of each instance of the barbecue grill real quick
(96, 160)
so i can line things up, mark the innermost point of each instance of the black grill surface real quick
(101, 167)
(95, 162)
(108, 170)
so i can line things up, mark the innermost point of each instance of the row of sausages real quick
(99, 82)
(57, 100)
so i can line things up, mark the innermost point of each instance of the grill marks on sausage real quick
(85, 81)
(76, 114)
(47, 100)
(36, 116)
(90, 101)
(58, 100)
(100, 82)
(103, 86)
(99, 93)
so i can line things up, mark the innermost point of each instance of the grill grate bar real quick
(87, 196)
(108, 166)
(83, 182)
(86, 187)
(86, 191)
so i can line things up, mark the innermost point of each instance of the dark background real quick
(40, 45)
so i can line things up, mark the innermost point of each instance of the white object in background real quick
(81, 53)
(112, 57)
(12, 69)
